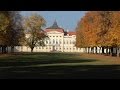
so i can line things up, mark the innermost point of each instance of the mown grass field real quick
(58, 66)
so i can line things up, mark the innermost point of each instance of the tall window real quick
(56, 42)
(49, 42)
(67, 42)
(60, 41)
(46, 42)
(53, 41)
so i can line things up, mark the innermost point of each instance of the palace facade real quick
(59, 41)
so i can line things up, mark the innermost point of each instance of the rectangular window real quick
(46, 42)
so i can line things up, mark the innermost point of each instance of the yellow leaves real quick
(4, 22)
(33, 25)
(34, 21)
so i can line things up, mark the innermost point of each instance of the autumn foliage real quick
(99, 29)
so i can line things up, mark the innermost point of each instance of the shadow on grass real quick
(63, 72)
(54, 66)
(27, 59)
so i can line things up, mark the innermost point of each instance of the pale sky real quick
(65, 19)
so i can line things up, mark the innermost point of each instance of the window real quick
(60, 36)
(73, 42)
(46, 42)
(56, 42)
(56, 36)
(67, 42)
(50, 42)
(53, 36)
(53, 41)
(39, 48)
(60, 41)
(46, 48)
(36, 47)
(60, 48)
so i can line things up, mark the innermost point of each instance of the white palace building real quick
(58, 41)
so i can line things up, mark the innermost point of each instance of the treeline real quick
(16, 30)
(99, 29)
(11, 30)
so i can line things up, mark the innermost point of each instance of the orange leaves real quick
(99, 28)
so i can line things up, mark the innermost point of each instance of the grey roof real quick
(54, 26)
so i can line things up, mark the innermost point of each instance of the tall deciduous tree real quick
(11, 30)
(95, 28)
(34, 34)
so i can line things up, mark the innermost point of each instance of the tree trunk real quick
(4, 49)
(92, 50)
(32, 49)
(113, 52)
(7, 49)
(12, 49)
(95, 50)
(103, 50)
(107, 51)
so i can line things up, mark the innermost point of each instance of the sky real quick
(65, 19)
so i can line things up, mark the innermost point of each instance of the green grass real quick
(56, 66)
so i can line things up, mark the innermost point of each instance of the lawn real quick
(58, 66)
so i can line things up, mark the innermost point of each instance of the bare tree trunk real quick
(32, 49)
(4, 49)
(12, 49)
(103, 50)
(95, 50)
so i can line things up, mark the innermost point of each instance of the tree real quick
(16, 31)
(34, 34)
(95, 28)
(4, 24)
(11, 30)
